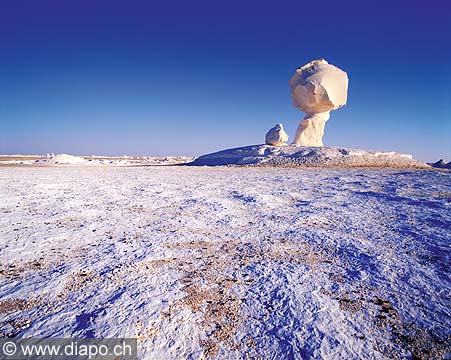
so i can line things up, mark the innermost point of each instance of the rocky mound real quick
(67, 160)
(441, 164)
(307, 156)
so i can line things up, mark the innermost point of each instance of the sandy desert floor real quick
(230, 263)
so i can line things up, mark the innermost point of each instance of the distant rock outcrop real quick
(67, 160)
(276, 136)
(441, 164)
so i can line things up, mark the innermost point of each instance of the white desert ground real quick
(229, 262)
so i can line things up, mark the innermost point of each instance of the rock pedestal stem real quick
(311, 130)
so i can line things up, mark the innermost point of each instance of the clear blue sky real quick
(191, 77)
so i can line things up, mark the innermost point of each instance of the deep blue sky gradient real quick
(190, 77)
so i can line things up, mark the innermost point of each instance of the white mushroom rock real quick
(276, 136)
(316, 89)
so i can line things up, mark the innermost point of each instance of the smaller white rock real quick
(276, 136)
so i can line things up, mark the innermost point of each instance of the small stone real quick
(276, 136)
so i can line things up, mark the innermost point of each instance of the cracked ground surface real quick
(232, 263)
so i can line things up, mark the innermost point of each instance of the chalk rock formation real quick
(316, 89)
(67, 159)
(276, 136)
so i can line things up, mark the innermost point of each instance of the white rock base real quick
(308, 156)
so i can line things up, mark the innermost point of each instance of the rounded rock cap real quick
(319, 87)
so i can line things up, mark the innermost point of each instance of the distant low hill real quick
(441, 164)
